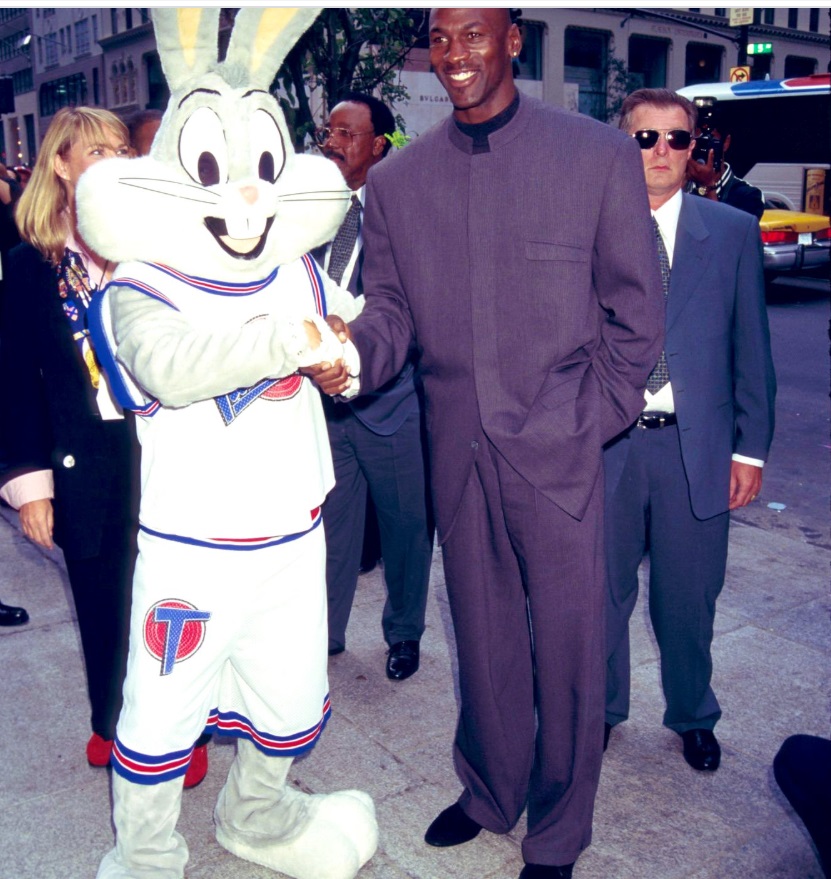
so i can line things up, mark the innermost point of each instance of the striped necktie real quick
(660, 374)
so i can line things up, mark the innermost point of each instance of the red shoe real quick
(198, 767)
(98, 751)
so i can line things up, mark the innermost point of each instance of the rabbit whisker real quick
(172, 187)
(317, 195)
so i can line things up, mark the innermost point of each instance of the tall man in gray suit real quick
(511, 244)
(698, 448)
(377, 439)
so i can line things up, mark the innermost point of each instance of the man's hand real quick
(339, 328)
(332, 380)
(745, 484)
(37, 519)
(703, 175)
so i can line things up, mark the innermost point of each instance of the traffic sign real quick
(740, 16)
(739, 74)
(760, 48)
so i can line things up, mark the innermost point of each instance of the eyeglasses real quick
(326, 133)
(677, 138)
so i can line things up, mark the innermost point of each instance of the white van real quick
(782, 144)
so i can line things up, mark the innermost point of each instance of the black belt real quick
(654, 420)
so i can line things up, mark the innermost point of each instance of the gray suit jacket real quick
(527, 279)
(718, 350)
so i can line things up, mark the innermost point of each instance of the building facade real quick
(18, 128)
(582, 59)
(589, 59)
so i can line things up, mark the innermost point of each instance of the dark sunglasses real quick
(677, 139)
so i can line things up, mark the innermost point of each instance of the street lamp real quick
(26, 41)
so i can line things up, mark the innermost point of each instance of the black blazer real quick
(50, 418)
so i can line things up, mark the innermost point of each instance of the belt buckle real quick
(650, 421)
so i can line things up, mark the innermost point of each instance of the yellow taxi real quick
(794, 241)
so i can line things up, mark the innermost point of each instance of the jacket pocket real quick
(550, 250)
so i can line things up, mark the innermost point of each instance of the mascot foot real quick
(147, 845)
(340, 837)
(263, 820)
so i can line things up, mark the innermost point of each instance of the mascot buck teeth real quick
(212, 311)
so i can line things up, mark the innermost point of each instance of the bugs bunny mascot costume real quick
(212, 310)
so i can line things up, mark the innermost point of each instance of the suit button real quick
(474, 445)
(68, 462)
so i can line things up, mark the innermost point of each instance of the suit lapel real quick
(689, 258)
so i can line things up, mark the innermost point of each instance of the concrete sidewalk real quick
(655, 818)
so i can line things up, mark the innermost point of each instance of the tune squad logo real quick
(173, 631)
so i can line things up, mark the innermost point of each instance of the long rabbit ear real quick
(187, 40)
(263, 37)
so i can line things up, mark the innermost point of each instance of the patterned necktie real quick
(344, 242)
(660, 374)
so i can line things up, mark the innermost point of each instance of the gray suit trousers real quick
(392, 468)
(649, 510)
(525, 583)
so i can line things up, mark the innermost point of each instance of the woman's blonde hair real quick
(41, 211)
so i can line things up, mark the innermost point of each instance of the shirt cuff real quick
(742, 459)
(35, 486)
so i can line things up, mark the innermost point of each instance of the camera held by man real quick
(709, 174)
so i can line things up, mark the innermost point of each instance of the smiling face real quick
(225, 195)
(471, 51)
(665, 168)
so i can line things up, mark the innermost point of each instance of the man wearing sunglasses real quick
(697, 450)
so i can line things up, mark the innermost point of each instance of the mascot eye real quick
(266, 169)
(203, 150)
(267, 150)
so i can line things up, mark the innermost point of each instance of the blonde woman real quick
(71, 449)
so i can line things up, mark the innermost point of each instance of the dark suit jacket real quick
(718, 350)
(740, 194)
(528, 280)
(50, 418)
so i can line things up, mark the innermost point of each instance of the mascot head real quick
(222, 194)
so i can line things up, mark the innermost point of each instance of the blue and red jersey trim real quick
(145, 769)
(239, 544)
(207, 285)
(230, 723)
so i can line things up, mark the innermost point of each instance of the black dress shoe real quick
(701, 749)
(402, 660)
(12, 616)
(542, 871)
(336, 651)
(607, 731)
(452, 827)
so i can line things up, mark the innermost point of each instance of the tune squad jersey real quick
(249, 465)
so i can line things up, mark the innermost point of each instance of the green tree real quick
(619, 83)
(347, 50)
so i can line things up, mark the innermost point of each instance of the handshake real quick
(338, 371)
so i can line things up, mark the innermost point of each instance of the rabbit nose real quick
(249, 194)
